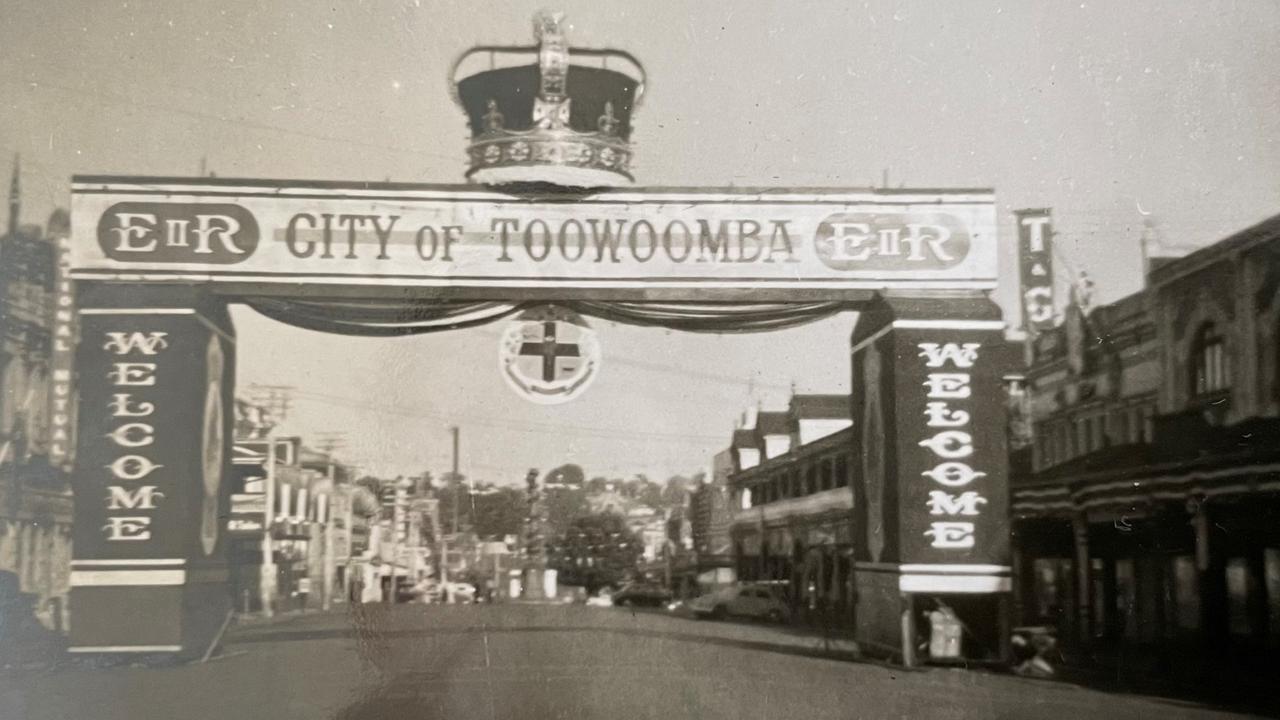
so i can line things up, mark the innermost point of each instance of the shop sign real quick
(1035, 265)
(61, 356)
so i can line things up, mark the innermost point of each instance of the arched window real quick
(1209, 364)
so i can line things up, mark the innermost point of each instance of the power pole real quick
(277, 399)
(457, 481)
(267, 581)
(328, 571)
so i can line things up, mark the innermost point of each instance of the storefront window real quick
(1047, 591)
(1238, 597)
(1120, 427)
(1099, 591)
(1186, 593)
(1271, 561)
(1127, 598)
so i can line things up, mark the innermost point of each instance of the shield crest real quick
(549, 355)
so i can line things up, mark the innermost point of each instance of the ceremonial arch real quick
(155, 263)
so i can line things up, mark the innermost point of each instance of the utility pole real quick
(267, 580)
(327, 571)
(457, 481)
(277, 399)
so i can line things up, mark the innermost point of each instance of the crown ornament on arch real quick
(544, 114)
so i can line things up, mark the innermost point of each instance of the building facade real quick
(711, 519)
(35, 492)
(1145, 514)
(792, 498)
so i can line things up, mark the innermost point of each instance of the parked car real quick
(752, 601)
(461, 592)
(642, 594)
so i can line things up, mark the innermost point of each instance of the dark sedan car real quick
(642, 594)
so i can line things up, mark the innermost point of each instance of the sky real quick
(1110, 114)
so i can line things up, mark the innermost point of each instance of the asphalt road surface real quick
(532, 662)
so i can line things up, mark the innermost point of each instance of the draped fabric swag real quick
(389, 318)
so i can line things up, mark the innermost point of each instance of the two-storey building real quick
(792, 500)
(1146, 517)
(35, 492)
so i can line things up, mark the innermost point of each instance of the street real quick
(540, 661)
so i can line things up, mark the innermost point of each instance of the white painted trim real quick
(877, 566)
(161, 311)
(700, 283)
(129, 561)
(1180, 479)
(114, 578)
(137, 311)
(840, 498)
(957, 569)
(954, 583)
(123, 648)
(950, 324)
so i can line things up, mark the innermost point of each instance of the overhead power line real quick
(621, 434)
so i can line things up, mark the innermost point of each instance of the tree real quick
(563, 506)
(372, 484)
(595, 551)
(647, 492)
(499, 513)
(568, 475)
(673, 495)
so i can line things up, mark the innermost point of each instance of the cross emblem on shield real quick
(549, 355)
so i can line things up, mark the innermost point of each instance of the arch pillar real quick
(156, 378)
(931, 512)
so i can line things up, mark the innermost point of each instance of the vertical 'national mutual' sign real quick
(424, 235)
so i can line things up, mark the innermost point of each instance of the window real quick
(1045, 572)
(1127, 598)
(828, 480)
(842, 471)
(1271, 579)
(1148, 423)
(1120, 429)
(1210, 366)
(1101, 614)
(1186, 593)
(1240, 586)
